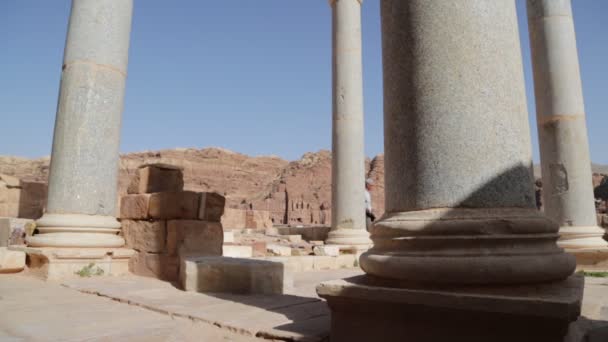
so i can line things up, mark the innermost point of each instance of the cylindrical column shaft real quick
(560, 114)
(81, 206)
(348, 156)
(459, 185)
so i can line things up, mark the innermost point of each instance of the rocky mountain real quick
(297, 192)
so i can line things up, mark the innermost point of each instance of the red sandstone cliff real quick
(297, 192)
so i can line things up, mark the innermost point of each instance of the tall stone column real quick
(348, 155)
(560, 114)
(461, 240)
(81, 209)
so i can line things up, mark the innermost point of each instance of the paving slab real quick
(46, 311)
(284, 317)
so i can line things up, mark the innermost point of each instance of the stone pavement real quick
(143, 309)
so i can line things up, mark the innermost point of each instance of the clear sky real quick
(250, 76)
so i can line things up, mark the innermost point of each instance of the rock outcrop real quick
(260, 191)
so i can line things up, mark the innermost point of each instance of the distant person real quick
(369, 215)
(539, 194)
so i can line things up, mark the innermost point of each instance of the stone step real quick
(234, 275)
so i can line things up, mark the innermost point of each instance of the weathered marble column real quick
(348, 155)
(461, 253)
(560, 113)
(81, 209)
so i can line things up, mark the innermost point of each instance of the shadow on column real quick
(476, 272)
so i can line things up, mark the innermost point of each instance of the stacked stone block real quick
(20, 198)
(163, 223)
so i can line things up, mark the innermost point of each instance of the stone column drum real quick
(81, 210)
(459, 185)
(560, 114)
(348, 156)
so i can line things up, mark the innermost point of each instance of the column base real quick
(467, 246)
(572, 238)
(76, 230)
(349, 239)
(366, 309)
(60, 263)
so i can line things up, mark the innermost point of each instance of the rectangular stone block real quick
(160, 266)
(367, 309)
(228, 237)
(5, 231)
(135, 207)
(232, 275)
(211, 207)
(33, 199)
(190, 237)
(156, 178)
(174, 205)
(259, 248)
(145, 236)
(237, 251)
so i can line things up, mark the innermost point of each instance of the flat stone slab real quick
(276, 317)
(365, 308)
(556, 300)
(234, 275)
(47, 311)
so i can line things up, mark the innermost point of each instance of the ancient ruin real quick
(472, 243)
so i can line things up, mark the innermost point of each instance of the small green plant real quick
(89, 271)
(596, 274)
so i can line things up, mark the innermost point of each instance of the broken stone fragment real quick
(278, 250)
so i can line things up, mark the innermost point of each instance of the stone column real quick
(461, 250)
(348, 156)
(81, 209)
(560, 114)
(459, 185)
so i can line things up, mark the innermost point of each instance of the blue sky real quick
(250, 76)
